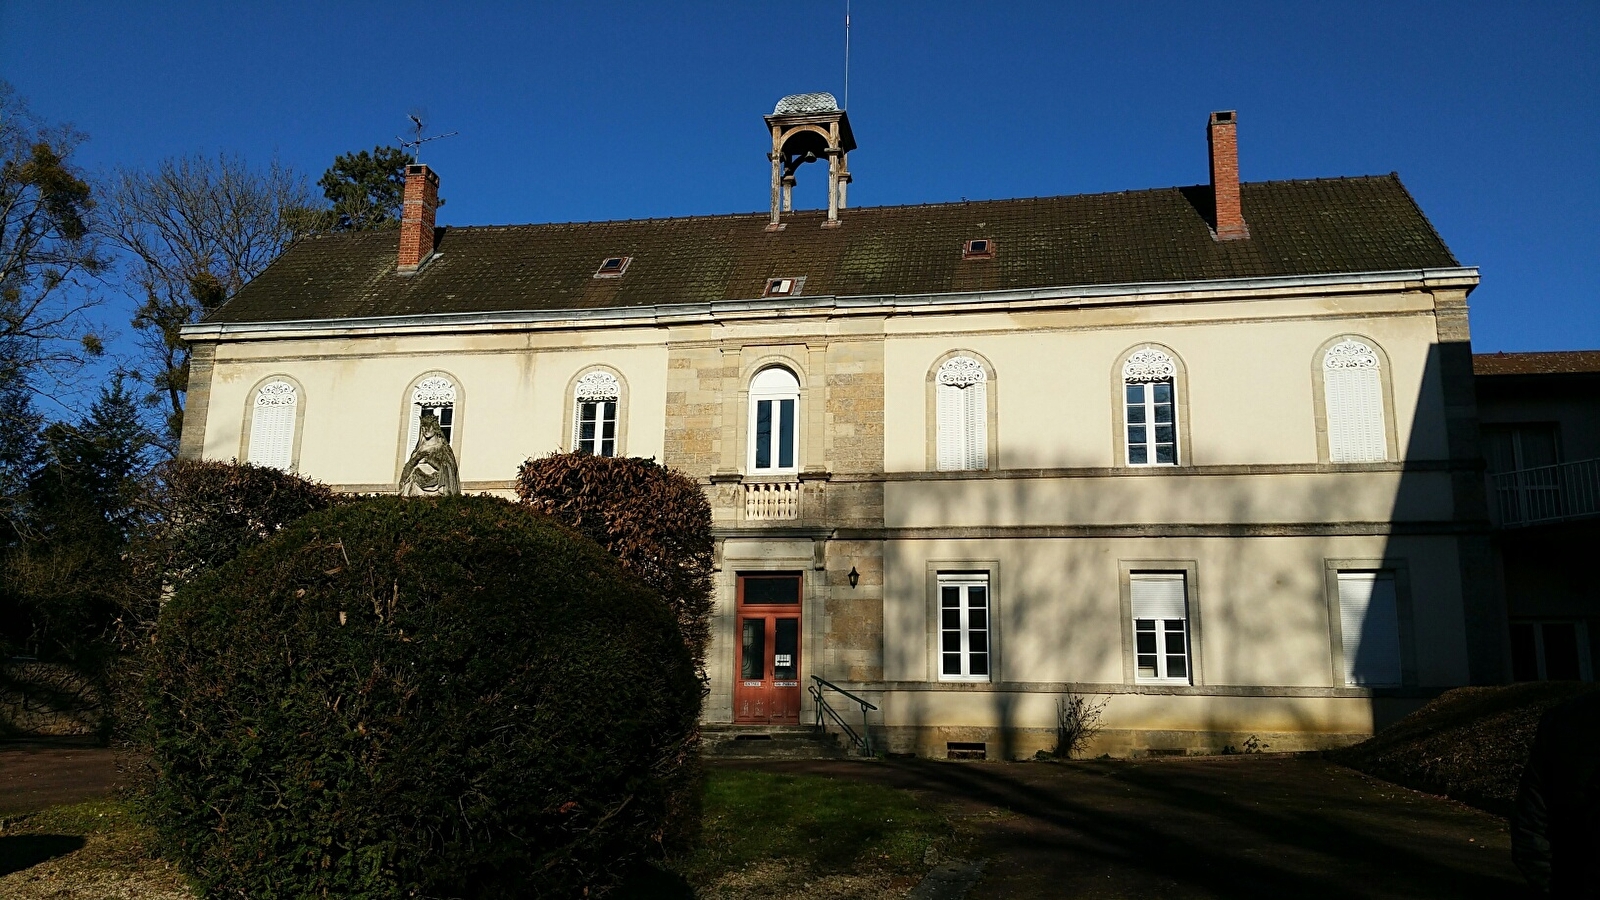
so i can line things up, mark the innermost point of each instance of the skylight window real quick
(978, 248)
(613, 266)
(784, 287)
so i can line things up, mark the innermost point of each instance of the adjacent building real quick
(1209, 453)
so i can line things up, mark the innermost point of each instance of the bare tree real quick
(49, 257)
(194, 230)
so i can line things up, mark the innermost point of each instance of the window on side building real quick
(596, 399)
(1160, 606)
(964, 627)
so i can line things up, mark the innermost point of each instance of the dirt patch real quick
(1220, 827)
(1469, 744)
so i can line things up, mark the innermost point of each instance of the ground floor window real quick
(1369, 624)
(964, 649)
(1160, 605)
(1550, 651)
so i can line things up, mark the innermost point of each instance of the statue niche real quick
(431, 470)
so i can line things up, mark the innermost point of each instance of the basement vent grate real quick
(966, 750)
(752, 737)
(1165, 751)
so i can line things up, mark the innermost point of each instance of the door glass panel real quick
(768, 589)
(753, 659)
(786, 435)
(786, 650)
(764, 434)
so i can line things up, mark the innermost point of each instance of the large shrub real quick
(654, 520)
(417, 698)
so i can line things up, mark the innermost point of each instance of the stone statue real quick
(431, 470)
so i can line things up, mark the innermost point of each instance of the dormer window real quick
(783, 287)
(613, 266)
(978, 248)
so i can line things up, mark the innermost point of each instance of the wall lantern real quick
(855, 576)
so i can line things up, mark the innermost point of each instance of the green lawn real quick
(764, 835)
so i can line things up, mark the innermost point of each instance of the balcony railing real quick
(772, 500)
(1546, 493)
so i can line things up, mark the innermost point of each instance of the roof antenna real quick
(846, 54)
(417, 127)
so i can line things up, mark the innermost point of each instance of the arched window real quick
(272, 421)
(594, 413)
(435, 394)
(963, 414)
(1149, 381)
(774, 421)
(1352, 388)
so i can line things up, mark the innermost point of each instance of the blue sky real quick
(577, 111)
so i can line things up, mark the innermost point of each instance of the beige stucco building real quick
(1207, 453)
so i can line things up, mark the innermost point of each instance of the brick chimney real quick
(1223, 139)
(420, 201)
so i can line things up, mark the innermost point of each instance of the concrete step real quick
(769, 742)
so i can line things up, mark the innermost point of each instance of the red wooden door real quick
(767, 690)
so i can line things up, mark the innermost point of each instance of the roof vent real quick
(978, 248)
(613, 266)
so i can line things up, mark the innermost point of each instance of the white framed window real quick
(962, 408)
(774, 422)
(964, 627)
(594, 415)
(1160, 607)
(1352, 390)
(1150, 393)
(272, 421)
(436, 394)
(1369, 628)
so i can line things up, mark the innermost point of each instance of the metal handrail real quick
(1546, 493)
(862, 741)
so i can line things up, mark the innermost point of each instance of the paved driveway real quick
(39, 776)
(1219, 827)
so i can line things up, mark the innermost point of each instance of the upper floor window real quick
(435, 394)
(1353, 391)
(272, 422)
(963, 414)
(774, 425)
(1149, 379)
(594, 414)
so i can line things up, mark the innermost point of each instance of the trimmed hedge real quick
(417, 698)
(654, 520)
(1469, 744)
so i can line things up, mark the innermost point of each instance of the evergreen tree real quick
(366, 189)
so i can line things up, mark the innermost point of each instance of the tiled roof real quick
(1325, 226)
(1557, 362)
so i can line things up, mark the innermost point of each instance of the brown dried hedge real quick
(655, 521)
(417, 698)
(1469, 744)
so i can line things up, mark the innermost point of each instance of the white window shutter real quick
(1158, 595)
(1369, 623)
(951, 428)
(1353, 391)
(272, 426)
(976, 416)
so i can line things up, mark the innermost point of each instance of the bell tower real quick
(806, 128)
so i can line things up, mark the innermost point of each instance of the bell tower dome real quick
(806, 128)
